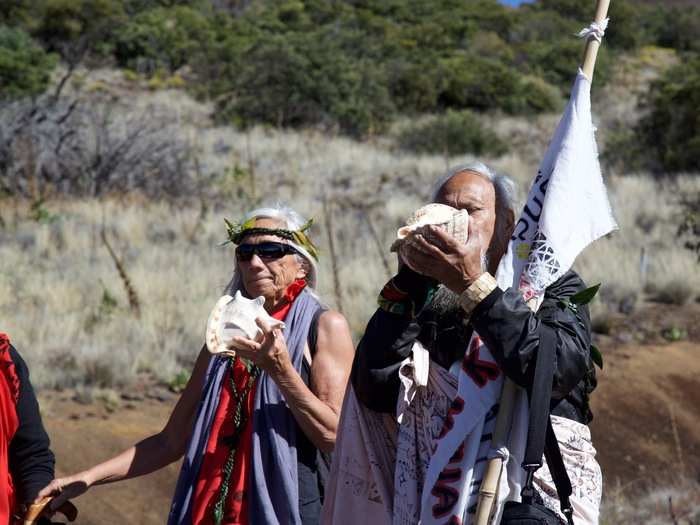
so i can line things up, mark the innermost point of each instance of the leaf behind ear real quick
(597, 356)
(585, 296)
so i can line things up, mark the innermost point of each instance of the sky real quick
(514, 2)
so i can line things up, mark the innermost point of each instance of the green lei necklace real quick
(239, 423)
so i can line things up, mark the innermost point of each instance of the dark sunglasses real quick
(267, 251)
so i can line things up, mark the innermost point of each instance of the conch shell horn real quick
(453, 221)
(235, 316)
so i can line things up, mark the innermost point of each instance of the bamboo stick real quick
(592, 45)
(492, 475)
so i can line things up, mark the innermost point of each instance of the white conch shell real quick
(455, 222)
(235, 316)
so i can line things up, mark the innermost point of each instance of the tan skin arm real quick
(146, 456)
(316, 409)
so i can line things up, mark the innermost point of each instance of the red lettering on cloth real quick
(480, 371)
(447, 496)
(455, 408)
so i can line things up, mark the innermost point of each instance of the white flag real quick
(567, 208)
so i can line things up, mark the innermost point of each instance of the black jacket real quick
(30, 458)
(510, 330)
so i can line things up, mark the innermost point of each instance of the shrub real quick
(537, 95)
(555, 61)
(620, 299)
(487, 84)
(673, 292)
(674, 333)
(689, 227)
(12, 11)
(673, 27)
(308, 80)
(25, 68)
(670, 131)
(78, 28)
(625, 30)
(623, 150)
(51, 147)
(454, 133)
(415, 84)
(479, 83)
(163, 38)
(602, 324)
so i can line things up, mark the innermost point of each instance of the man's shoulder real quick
(568, 284)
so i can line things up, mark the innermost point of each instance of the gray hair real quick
(291, 220)
(502, 184)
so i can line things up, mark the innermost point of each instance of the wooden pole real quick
(592, 45)
(488, 492)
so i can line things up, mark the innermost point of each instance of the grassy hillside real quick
(64, 302)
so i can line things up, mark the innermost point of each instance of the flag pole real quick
(592, 45)
(488, 491)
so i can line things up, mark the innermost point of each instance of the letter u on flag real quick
(567, 209)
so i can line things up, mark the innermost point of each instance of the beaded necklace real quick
(239, 423)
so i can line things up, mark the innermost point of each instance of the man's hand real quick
(271, 354)
(445, 259)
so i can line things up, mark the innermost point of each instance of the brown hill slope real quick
(647, 412)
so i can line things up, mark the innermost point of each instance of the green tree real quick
(671, 129)
(308, 80)
(478, 83)
(673, 27)
(77, 29)
(25, 68)
(13, 11)
(163, 38)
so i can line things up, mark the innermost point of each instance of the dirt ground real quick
(646, 427)
(85, 434)
(647, 413)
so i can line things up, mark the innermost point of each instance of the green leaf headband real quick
(236, 233)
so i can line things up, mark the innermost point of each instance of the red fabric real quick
(210, 475)
(9, 391)
(292, 292)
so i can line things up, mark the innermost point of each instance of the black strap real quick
(540, 396)
(540, 434)
(557, 469)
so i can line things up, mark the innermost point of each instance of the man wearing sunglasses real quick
(255, 429)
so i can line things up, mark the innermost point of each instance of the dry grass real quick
(58, 285)
(677, 503)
